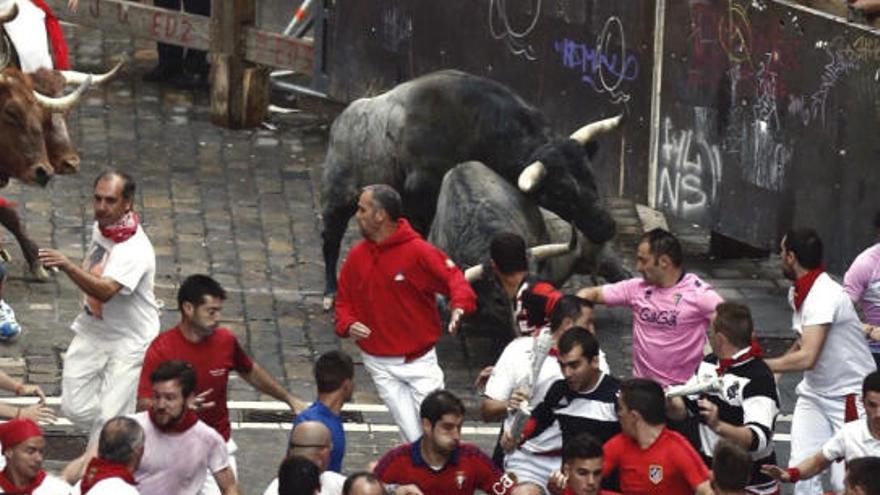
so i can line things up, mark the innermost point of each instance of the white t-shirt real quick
(513, 370)
(178, 462)
(132, 313)
(51, 486)
(331, 484)
(28, 33)
(109, 486)
(852, 441)
(845, 359)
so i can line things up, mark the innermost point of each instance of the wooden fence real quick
(240, 53)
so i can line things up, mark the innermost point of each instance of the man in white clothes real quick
(179, 449)
(120, 448)
(312, 440)
(119, 314)
(830, 351)
(856, 439)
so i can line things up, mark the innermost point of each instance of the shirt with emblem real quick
(667, 321)
(669, 466)
(467, 469)
(747, 397)
(212, 358)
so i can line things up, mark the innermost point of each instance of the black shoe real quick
(163, 72)
(189, 80)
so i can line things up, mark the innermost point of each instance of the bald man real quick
(528, 488)
(363, 483)
(311, 439)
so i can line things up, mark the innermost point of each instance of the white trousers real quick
(99, 380)
(530, 467)
(402, 387)
(211, 487)
(815, 420)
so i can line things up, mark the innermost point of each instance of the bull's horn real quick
(75, 77)
(66, 102)
(545, 251)
(10, 13)
(586, 133)
(531, 176)
(474, 273)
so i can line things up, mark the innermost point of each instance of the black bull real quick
(410, 136)
(474, 205)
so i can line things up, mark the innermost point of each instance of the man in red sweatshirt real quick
(386, 301)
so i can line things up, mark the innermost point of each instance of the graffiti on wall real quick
(689, 168)
(604, 65)
(514, 26)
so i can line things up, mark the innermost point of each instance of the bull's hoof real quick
(39, 273)
(329, 300)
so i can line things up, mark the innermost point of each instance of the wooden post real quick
(239, 89)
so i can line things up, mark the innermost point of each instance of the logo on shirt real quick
(217, 372)
(655, 473)
(459, 479)
(676, 298)
(399, 277)
(664, 317)
(506, 481)
(732, 391)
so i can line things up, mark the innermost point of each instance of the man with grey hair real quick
(387, 303)
(120, 448)
(119, 315)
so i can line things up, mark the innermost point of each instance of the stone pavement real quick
(241, 206)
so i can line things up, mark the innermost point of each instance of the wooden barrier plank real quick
(277, 50)
(143, 21)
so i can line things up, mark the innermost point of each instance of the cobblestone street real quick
(241, 206)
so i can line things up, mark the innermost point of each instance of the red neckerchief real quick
(186, 422)
(754, 351)
(123, 228)
(804, 283)
(100, 469)
(56, 37)
(9, 487)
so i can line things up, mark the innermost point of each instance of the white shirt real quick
(331, 484)
(28, 33)
(178, 463)
(109, 486)
(51, 486)
(513, 370)
(852, 441)
(132, 313)
(844, 360)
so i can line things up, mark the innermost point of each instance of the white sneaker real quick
(9, 327)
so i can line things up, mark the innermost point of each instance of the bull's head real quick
(62, 153)
(561, 181)
(24, 117)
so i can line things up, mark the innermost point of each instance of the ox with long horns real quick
(410, 136)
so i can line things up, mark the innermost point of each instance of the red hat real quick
(15, 431)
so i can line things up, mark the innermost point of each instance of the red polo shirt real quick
(467, 469)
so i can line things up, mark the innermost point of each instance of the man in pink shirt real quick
(862, 285)
(671, 310)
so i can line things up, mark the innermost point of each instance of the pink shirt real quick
(669, 325)
(862, 285)
(178, 463)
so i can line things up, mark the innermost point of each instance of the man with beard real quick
(180, 450)
(438, 463)
(856, 439)
(119, 314)
(387, 302)
(830, 351)
(214, 352)
(23, 447)
(671, 310)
